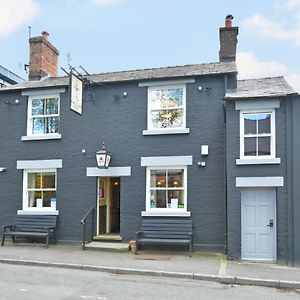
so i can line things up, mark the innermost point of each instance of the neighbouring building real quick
(8, 78)
(186, 142)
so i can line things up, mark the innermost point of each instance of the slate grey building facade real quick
(175, 138)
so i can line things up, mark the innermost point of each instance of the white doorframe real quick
(248, 195)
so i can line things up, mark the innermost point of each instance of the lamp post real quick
(103, 157)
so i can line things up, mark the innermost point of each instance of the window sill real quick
(166, 214)
(39, 212)
(166, 131)
(258, 161)
(55, 136)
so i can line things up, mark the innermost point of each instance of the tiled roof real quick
(263, 87)
(143, 74)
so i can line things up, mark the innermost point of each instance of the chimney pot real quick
(45, 34)
(228, 21)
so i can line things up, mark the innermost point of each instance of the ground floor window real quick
(166, 189)
(39, 190)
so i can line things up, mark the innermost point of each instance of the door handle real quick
(271, 223)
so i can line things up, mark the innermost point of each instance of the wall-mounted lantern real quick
(103, 157)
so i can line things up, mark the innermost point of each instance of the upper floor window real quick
(257, 134)
(167, 107)
(43, 115)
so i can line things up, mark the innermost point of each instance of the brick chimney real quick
(43, 57)
(228, 40)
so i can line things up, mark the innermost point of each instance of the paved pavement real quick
(202, 266)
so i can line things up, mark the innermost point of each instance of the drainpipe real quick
(225, 169)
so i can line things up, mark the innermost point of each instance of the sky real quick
(117, 35)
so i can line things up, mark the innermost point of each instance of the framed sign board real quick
(76, 93)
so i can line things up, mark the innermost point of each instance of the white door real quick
(258, 218)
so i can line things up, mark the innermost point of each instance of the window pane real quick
(34, 180)
(250, 146)
(264, 146)
(250, 124)
(38, 126)
(37, 107)
(264, 123)
(48, 180)
(158, 178)
(158, 199)
(167, 118)
(52, 124)
(47, 198)
(175, 199)
(52, 106)
(32, 198)
(175, 178)
(166, 98)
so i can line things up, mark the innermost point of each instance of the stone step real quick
(108, 237)
(106, 246)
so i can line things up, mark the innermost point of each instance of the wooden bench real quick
(166, 230)
(31, 226)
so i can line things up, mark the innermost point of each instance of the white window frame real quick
(148, 189)
(25, 207)
(30, 118)
(164, 87)
(272, 134)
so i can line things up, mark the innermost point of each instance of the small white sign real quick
(39, 202)
(174, 203)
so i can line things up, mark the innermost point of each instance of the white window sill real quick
(166, 214)
(39, 212)
(258, 161)
(55, 136)
(166, 131)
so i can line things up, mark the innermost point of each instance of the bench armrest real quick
(138, 234)
(11, 226)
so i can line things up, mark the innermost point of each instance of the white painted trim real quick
(258, 161)
(272, 134)
(166, 82)
(39, 164)
(38, 212)
(29, 111)
(172, 86)
(166, 214)
(166, 131)
(259, 181)
(165, 161)
(43, 92)
(110, 172)
(167, 211)
(50, 136)
(257, 104)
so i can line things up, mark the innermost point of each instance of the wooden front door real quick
(115, 205)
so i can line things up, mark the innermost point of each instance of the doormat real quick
(152, 257)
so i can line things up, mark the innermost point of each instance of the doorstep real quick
(106, 246)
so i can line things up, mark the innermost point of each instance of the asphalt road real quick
(30, 283)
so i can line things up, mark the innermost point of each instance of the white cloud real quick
(250, 67)
(294, 81)
(274, 30)
(14, 13)
(105, 2)
(289, 5)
